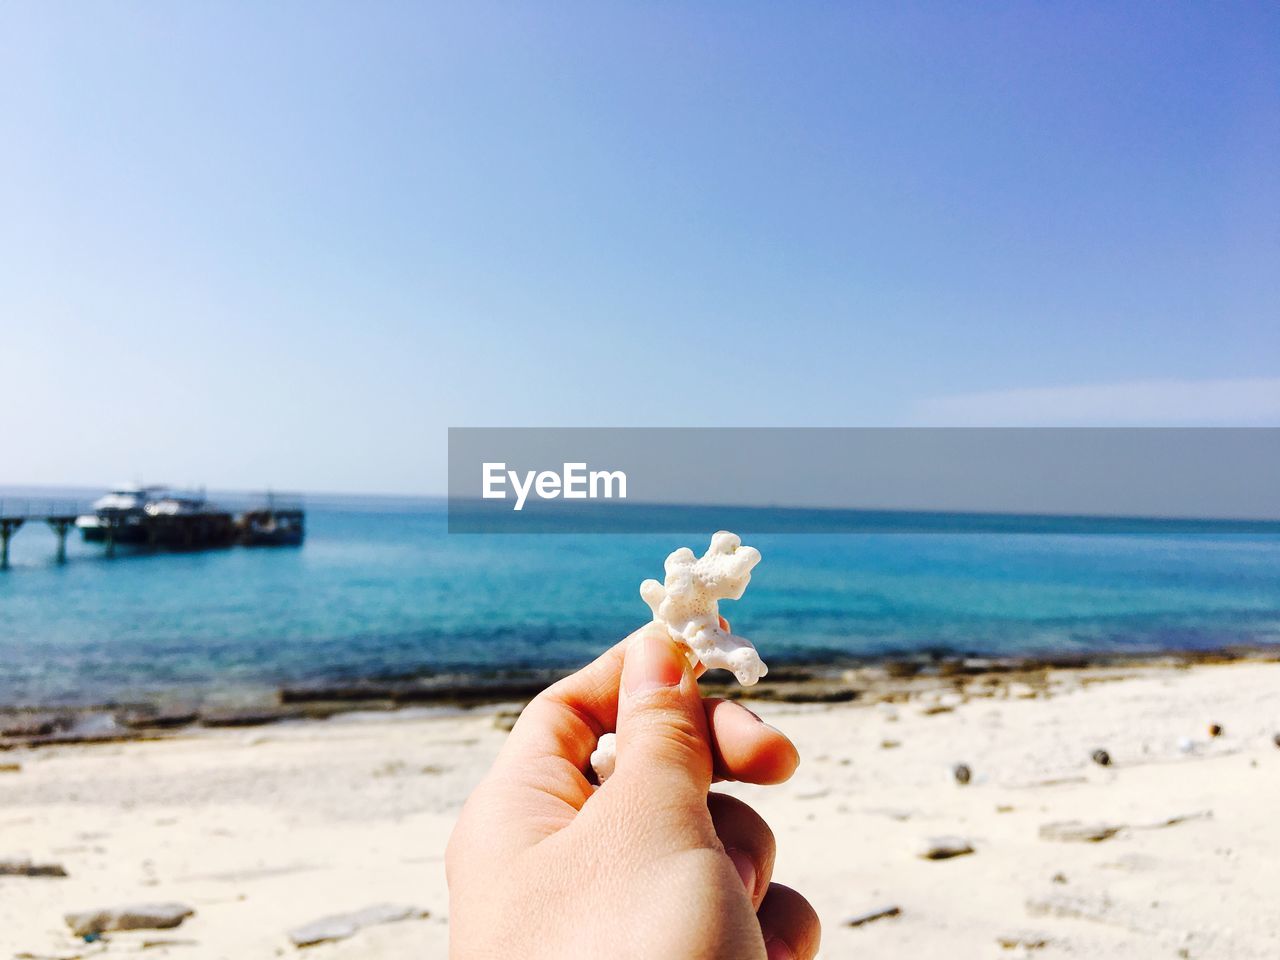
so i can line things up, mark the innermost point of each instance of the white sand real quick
(265, 830)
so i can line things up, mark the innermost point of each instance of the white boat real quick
(122, 511)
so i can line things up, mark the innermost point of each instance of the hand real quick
(543, 865)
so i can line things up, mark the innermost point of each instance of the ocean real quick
(380, 590)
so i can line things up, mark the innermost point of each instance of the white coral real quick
(687, 604)
(604, 757)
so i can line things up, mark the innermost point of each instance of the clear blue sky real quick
(290, 243)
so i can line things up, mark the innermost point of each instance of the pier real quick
(60, 515)
(171, 523)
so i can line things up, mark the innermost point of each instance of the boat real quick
(119, 516)
(178, 522)
(273, 525)
(158, 518)
(155, 517)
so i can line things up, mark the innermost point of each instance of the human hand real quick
(542, 864)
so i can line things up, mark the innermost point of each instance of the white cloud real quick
(1146, 403)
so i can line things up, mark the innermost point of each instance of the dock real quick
(272, 521)
(60, 515)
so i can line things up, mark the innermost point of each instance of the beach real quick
(1169, 850)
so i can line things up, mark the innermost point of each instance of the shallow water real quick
(380, 588)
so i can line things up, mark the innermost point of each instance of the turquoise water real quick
(381, 589)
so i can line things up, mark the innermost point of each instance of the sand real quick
(265, 830)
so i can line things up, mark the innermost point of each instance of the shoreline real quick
(850, 679)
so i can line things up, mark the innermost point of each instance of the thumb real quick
(662, 727)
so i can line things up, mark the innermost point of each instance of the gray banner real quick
(1036, 480)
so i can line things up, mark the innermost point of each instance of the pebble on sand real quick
(25, 868)
(343, 925)
(943, 848)
(1102, 758)
(962, 773)
(146, 916)
(1076, 831)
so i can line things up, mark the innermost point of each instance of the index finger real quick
(570, 716)
(566, 719)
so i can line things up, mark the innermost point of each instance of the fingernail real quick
(746, 868)
(652, 662)
(775, 949)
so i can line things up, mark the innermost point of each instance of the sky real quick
(290, 244)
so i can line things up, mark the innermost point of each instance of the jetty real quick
(154, 519)
(60, 515)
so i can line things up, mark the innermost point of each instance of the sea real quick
(380, 589)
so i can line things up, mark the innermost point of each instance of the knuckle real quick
(672, 733)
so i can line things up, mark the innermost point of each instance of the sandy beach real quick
(1171, 850)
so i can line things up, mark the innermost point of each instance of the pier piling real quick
(60, 526)
(8, 527)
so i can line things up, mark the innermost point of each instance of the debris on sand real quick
(343, 925)
(147, 916)
(943, 848)
(881, 913)
(25, 868)
(1024, 941)
(1076, 831)
(1175, 820)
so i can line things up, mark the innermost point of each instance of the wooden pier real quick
(273, 522)
(60, 515)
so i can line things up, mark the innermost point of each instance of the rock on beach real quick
(943, 848)
(26, 868)
(147, 916)
(343, 925)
